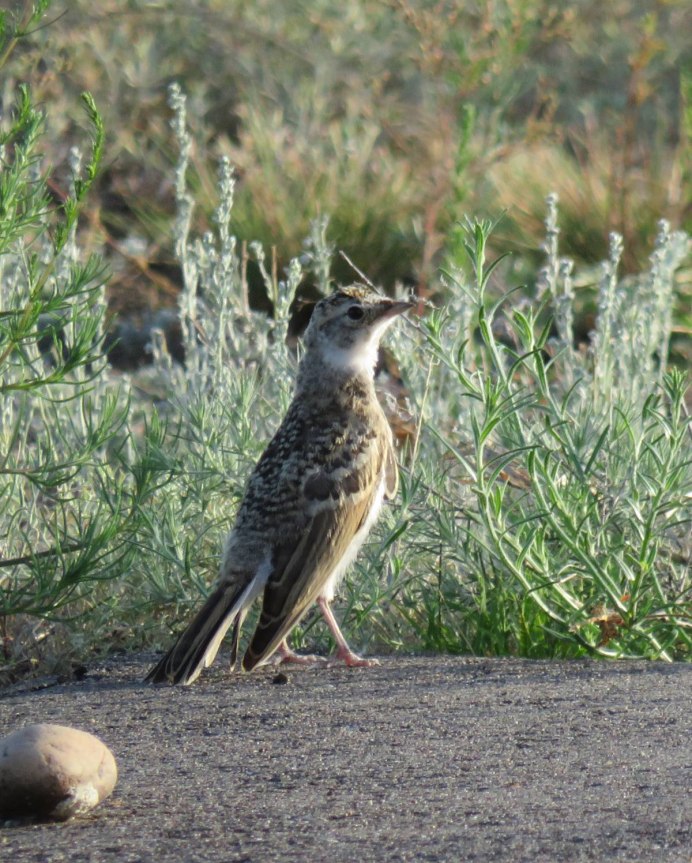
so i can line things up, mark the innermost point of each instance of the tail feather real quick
(198, 645)
(235, 635)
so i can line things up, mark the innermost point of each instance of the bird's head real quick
(345, 328)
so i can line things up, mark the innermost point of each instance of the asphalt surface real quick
(430, 759)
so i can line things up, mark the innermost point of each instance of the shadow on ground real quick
(421, 759)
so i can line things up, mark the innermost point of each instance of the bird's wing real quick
(340, 500)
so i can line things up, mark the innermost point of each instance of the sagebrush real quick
(545, 484)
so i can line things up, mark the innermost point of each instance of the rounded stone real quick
(52, 771)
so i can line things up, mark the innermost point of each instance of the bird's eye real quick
(355, 313)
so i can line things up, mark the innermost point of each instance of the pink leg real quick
(343, 652)
(286, 655)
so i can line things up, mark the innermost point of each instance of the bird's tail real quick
(197, 647)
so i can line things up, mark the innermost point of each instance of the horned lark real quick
(311, 499)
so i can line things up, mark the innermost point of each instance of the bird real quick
(311, 499)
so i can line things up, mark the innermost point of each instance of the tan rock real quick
(51, 771)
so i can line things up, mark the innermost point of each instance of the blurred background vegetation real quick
(392, 117)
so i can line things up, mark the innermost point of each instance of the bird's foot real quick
(302, 659)
(286, 656)
(352, 660)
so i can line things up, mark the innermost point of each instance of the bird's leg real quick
(343, 652)
(286, 655)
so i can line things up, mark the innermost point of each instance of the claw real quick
(290, 657)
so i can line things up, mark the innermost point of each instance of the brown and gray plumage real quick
(311, 499)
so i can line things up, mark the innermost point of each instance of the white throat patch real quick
(360, 357)
(357, 359)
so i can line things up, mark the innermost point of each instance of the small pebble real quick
(53, 772)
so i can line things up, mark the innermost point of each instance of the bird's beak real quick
(391, 308)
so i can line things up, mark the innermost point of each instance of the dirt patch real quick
(431, 759)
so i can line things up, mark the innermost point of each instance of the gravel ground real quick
(429, 758)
